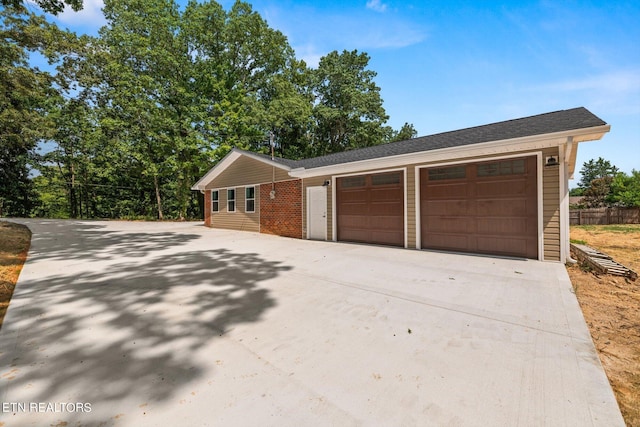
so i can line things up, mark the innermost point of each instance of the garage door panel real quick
(385, 237)
(448, 191)
(353, 208)
(505, 208)
(494, 205)
(502, 246)
(386, 222)
(504, 226)
(351, 196)
(354, 235)
(500, 188)
(387, 194)
(374, 211)
(354, 221)
(396, 209)
(446, 207)
(448, 241)
(439, 225)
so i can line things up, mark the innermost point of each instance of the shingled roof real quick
(548, 123)
(558, 121)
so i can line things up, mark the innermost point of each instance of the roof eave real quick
(571, 155)
(226, 161)
(470, 150)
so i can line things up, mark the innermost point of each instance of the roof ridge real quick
(538, 124)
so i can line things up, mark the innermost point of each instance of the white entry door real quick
(317, 213)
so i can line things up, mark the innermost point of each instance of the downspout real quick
(564, 201)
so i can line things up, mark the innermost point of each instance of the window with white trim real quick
(215, 201)
(231, 200)
(250, 199)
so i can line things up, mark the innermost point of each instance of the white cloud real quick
(340, 32)
(376, 5)
(309, 54)
(616, 92)
(90, 16)
(619, 82)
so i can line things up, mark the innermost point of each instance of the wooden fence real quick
(603, 216)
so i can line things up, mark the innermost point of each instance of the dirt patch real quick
(611, 307)
(15, 240)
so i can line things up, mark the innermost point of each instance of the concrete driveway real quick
(158, 324)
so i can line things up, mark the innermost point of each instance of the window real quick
(231, 200)
(215, 201)
(506, 167)
(250, 199)
(386, 178)
(352, 181)
(453, 172)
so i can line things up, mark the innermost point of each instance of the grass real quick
(613, 228)
(15, 240)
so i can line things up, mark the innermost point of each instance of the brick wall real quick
(207, 208)
(283, 214)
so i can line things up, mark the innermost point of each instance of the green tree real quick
(594, 169)
(24, 104)
(598, 193)
(51, 6)
(141, 94)
(576, 192)
(247, 79)
(597, 176)
(407, 131)
(348, 109)
(625, 189)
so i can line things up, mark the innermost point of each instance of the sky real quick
(444, 65)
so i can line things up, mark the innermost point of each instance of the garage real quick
(370, 208)
(486, 207)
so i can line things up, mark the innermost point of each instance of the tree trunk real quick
(158, 198)
(72, 193)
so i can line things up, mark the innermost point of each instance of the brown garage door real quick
(370, 208)
(488, 207)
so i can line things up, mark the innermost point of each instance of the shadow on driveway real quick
(96, 240)
(127, 331)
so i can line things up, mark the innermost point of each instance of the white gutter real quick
(472, 150)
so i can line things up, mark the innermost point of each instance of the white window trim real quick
(235, 198)
(215, 191)
(246, 199)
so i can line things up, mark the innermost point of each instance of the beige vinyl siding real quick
(247, 171)
(551, 207)
(238, 220)
(316, 182)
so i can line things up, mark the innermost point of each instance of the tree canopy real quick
(129, 119)
(51, 6)
(603, 184)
